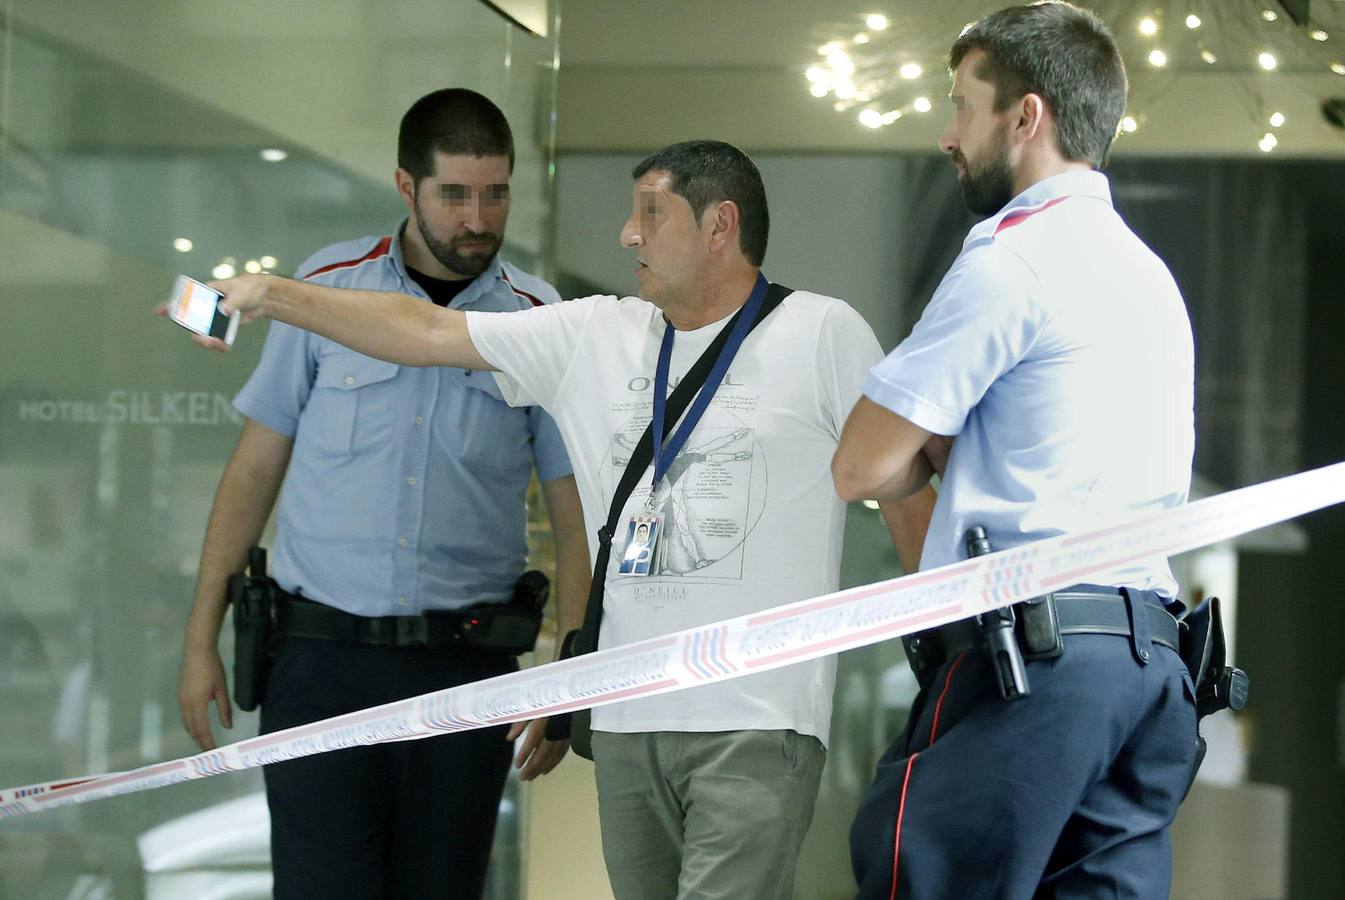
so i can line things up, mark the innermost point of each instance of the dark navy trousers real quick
(1068, 792)
(413, 819)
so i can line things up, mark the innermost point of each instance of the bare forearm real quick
(395, 327)
(572, 583)
(243, 502)
(908, 523)
(880, 455)
(566, 515)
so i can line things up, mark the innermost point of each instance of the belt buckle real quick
(411, 631)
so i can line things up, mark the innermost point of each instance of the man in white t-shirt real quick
(707, 792)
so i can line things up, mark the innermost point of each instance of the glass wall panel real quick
(130, 150)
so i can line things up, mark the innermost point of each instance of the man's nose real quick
(948, 140)
(630, 235)
(471, 218)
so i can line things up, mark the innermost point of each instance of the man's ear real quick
(406, 187)
(1033, 116)
(725, 221)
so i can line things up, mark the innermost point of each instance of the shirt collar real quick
(484, 282)
(1092, 184)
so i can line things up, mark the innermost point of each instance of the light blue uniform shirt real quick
(1058, 350)
(405, 489)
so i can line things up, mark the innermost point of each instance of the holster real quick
(1204, 650)
(253, 597)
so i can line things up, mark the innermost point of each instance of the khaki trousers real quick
(705, 815)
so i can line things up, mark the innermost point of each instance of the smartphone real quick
(195, 306)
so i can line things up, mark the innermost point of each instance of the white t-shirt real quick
(750, 517)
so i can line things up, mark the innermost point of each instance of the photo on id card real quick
(642, 534)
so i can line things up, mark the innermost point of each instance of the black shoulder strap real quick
(586, 640)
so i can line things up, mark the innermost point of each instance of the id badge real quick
(642, 537)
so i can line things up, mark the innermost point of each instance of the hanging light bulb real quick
(1276, 119)
(1320, 36)
(1209, 57)
(1193, 22)
(1129, 125)
(1268, 142)
(876, 21)
(1269, 15)
(1267, 61)
(819, 90)
(1158, 59)
(1148, 27)
(816, 75)
(1338, 68)
(911, 71)
(871, 118)
(861, 38)
(922, 104)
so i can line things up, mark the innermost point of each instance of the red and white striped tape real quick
(753, 643)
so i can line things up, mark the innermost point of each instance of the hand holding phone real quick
(195, 306)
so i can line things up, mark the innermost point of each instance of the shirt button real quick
(420, 420)
(411, 480)
(403, 541)
(350, 379)
(403, 601)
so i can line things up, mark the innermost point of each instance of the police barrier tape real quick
(748, 644)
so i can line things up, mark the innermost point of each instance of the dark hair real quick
(1063, 53)
(455, 121)
(704, 172)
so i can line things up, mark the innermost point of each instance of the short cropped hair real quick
(1065, 54)
(454, 121)
(705, 172)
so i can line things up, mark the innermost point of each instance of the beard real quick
(986, 188)
(449, 253)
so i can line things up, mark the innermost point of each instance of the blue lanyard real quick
(663, 456)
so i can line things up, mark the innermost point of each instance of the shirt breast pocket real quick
(485, 432)
(353, 406)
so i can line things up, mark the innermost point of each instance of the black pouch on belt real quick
(1039, 628)
(509, 627)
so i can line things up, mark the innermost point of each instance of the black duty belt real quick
(1079, 612)
(303, 618)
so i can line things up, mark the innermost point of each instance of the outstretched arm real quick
(394, 327)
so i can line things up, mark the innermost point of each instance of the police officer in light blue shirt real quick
(401, 494)
(1055, 360)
